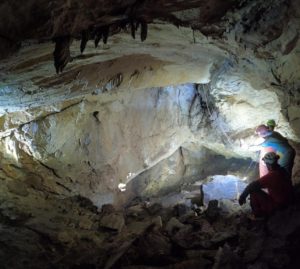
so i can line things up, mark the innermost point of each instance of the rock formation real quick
(175, 105)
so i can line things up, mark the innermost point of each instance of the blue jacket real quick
(281, 146)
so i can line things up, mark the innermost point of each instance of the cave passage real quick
(127, 132)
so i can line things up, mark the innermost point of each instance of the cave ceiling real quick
(40, 38)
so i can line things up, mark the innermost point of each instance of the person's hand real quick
(242, 199)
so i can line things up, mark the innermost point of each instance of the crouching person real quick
(278, 185)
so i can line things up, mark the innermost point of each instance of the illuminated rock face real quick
(159, 138)
(129, 110)
(112, 117)
(97, 143)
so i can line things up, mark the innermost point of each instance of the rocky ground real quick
(73, 233)
(183, 103)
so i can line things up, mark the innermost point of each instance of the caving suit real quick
(275, 142)
(280, 193)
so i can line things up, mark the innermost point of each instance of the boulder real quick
(154, 208)
(157, 221)
(213, 211)
(155, 248)
(107, 208)
(181, 209)
(222, 237)
(86, 223)
(173, 226)
(114, 221)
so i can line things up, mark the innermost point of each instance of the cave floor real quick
(73, 233)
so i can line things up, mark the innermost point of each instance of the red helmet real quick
(262, 130)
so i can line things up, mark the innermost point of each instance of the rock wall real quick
(94, 144)
(160, 137)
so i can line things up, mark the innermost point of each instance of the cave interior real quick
(126, 132)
